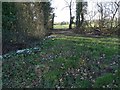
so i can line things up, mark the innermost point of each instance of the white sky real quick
(61, 11)
(63, 14)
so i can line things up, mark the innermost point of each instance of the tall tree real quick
(101, 11)
(80, 11)
(47, 11)
(26, 19)
(69, 5)
(23, 21)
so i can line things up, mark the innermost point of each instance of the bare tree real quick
(114, 11)
(119, 15)
(101, 11)
(69, 5)
(108, 16)
(91, 16)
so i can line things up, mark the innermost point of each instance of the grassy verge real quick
(66, 61)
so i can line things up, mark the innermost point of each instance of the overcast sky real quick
(62, 12)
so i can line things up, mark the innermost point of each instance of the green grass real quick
(104, 80)
(62, 26)
(66, 61)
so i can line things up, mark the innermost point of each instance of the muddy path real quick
(63, 31)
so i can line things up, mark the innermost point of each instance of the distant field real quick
(62, 26)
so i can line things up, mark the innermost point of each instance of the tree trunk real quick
(70, 25)
(79, 14)
(78, 21)
(53, 20)
(82, 19)
(101, 19)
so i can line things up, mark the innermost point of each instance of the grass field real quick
(66, 61)
(58, 26)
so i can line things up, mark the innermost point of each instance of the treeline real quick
(104, 17)
(24, 21)
(107, 20)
